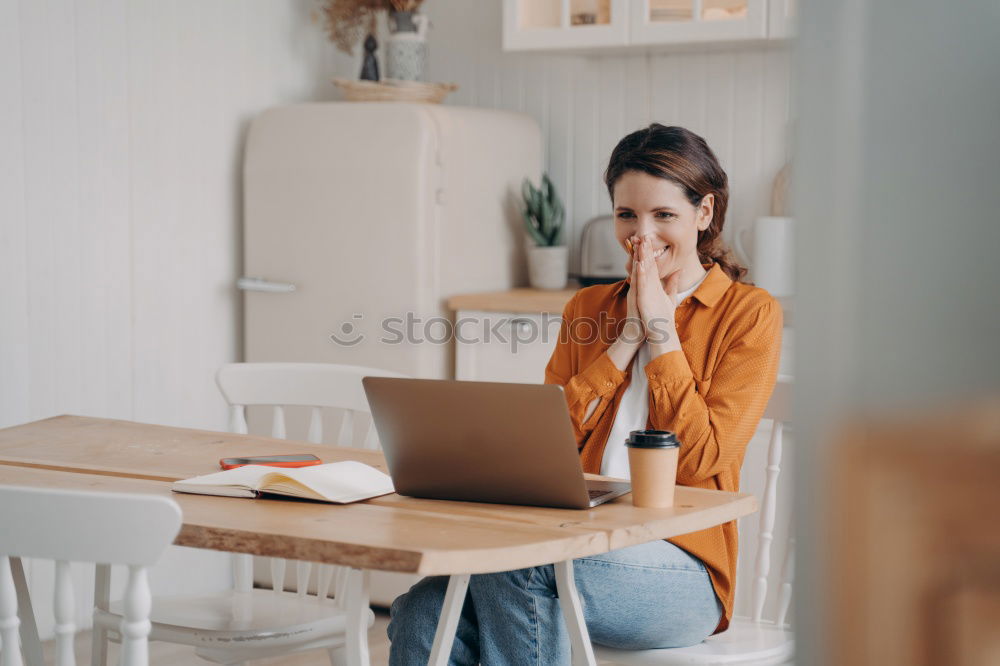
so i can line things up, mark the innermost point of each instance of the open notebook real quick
(340, 482)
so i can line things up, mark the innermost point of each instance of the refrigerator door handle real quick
(260, 284)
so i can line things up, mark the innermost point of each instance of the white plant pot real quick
(548, 267)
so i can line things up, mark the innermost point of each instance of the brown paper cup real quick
(653, 473)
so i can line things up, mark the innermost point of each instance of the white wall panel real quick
(105, 279)
(15, 333)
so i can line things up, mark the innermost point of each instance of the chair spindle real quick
(316, 425)
(278, 425)
(766, 536)
(9, 622)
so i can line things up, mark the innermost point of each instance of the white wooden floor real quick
(180, 655)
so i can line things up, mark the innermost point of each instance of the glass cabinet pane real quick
(590, 12)
(671, 10)
(539, 13)
(723, 10)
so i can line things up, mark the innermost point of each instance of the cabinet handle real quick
(521, 326)
(260, 284)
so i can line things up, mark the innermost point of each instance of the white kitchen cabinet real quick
(530, 25)
(601, 25)
(781, 18)
(504, 346)
(655, 22)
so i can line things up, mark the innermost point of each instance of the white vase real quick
(548, 266)
(773, 254)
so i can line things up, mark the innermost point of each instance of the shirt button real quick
(608, 384)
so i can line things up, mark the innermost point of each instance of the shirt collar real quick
(708, 292)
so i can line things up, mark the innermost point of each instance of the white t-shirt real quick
(633, 410)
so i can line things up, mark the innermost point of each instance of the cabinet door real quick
(504, 346)
(564, 24)
(781, 18)
(686, 21)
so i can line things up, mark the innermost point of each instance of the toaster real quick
(602, 259)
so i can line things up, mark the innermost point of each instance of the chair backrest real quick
(81, 526)
(313, 385)
(779, 412)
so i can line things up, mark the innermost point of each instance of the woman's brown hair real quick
(682, 157)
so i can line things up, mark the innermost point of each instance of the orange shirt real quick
(712, 394)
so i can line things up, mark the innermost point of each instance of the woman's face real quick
(645, 204)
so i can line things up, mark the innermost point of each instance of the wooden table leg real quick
(444, 637)
(572, 610)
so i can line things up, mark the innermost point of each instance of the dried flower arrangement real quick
(348, 21)
(405, 5)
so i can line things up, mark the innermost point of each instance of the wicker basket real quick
(393, 90)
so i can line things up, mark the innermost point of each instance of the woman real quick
(690, 348)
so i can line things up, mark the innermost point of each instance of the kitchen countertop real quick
(537, 301)
(521, 300)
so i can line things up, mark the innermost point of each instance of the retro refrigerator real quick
(362, 218)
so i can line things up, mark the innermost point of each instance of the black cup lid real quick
(652, 439)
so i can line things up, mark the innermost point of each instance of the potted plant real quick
(543, 218)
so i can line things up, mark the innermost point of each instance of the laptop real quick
(482, 442)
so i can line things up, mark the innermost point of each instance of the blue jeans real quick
(647, 596)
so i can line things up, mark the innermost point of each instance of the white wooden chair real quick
(748, 640)
(250, 623)
(78, 526)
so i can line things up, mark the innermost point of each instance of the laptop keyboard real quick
(594, 493)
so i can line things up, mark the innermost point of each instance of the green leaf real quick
(532, 227)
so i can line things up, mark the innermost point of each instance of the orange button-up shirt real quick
(712, 394)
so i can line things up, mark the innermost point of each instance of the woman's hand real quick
(633, 331)
(655, 300)
(633, 334)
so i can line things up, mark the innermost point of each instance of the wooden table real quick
(391, 533)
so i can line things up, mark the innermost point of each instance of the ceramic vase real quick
(548, 267)
(406, 48)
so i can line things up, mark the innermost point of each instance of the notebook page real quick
(346, 481)
(236, 482)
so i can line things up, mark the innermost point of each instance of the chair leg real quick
(102, 599)
(356, 608)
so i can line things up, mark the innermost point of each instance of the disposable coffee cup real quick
(652, 461)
